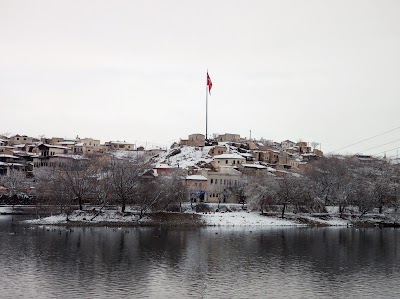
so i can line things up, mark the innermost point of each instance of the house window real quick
(226, 161)
(211, 181)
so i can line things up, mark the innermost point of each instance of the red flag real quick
(209, 83)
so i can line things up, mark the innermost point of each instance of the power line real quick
(380, 145)
(365, 140)
(386, 151)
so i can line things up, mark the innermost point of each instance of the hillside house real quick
(228, 160)
(218, 150)
(119, 146)
(256, 169)
(8, 162)
(227, 137)
(46, 150)
(18, 139)
(194, 140)
(287, 144)
(197, 187)
(164, 169)
(90, 145)
(221, 184)
(268, 156)
(3, 142)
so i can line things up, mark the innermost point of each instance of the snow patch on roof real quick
(258, 166)
(196, 177)
(229, 156)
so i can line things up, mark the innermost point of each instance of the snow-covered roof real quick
(196, 177)
(8, 156)
(258, 166)
(19, 145)
(55, 146)
(229, 170)
(164, 166)
(120, 142)
(66, 142)
(10, 164)
(15, 164)
(75, 157)
(229, 156)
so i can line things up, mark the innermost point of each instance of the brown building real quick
(227, 137)
(194, 140)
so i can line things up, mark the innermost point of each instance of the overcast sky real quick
(325, 71)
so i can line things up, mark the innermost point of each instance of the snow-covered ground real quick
(129, 155)
(189, 156)
(245, 219)
(79, 216)
(331, 221)
(236, 218)
(6, 210)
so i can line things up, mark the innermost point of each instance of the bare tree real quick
(314, 144)
(77, 175)
(287, 193)
(174, 189)
(51, 189)
(13, 181)
(261, 191)
(124, 177)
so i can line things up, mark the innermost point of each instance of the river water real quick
(214, 262)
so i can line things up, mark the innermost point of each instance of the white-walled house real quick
(287, 144)
(46, 150)
(220, 184)
(228, 160)
(197, 186)
(119, 145)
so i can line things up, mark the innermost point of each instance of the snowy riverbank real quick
(242, 218)
(227, 215)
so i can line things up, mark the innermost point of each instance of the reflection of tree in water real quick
(207, 262)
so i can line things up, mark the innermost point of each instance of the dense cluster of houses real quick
(216, 172)
(231, 158)
(25, 153)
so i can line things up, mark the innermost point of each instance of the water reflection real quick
(49, 262)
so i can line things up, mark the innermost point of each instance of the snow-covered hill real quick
(184, 156)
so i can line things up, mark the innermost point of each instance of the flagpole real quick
(207, 107)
